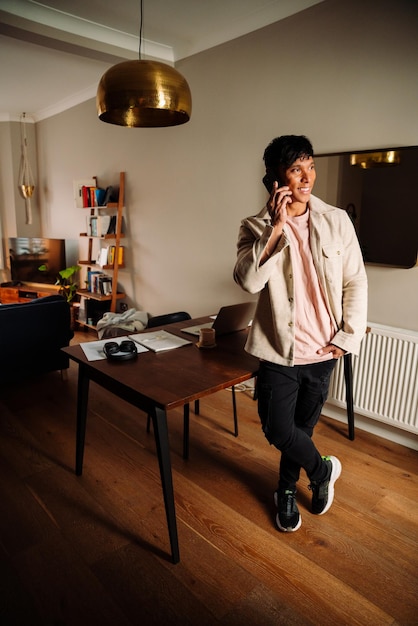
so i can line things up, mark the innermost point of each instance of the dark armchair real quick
(31, 337)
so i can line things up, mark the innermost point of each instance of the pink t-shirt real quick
(313, 324)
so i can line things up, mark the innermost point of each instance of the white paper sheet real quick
(94, 349)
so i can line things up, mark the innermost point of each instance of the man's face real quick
(300, 178)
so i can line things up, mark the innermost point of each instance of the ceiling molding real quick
(53, 58)
(55, 29)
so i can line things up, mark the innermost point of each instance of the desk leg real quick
(348, 376)
(159, 419)
(186, 428)
(234, 410)
(82, 400)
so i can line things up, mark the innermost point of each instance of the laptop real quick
(230, 319)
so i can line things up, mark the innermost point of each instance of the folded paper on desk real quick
(94, 349)
(159, 340)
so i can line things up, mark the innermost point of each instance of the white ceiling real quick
(54, 52)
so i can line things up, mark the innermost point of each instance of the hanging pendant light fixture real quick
(143, 93)
(26, 181)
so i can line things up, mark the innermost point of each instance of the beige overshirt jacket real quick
(339, 264)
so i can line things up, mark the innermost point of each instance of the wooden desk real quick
(156, 383)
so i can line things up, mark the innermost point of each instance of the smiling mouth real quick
(305, 189)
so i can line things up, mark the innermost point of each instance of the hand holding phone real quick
(278, 200)
(269, 181)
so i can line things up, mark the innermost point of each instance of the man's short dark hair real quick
(286, 149)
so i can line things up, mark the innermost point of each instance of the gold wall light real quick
(367, 160)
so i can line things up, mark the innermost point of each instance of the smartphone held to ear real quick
(268, 181)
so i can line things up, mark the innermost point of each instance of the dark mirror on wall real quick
(377, 189)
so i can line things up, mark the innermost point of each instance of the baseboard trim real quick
(386, 431)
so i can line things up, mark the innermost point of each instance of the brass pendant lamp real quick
(145, 94)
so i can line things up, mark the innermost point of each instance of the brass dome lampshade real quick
(143, 94)
(146, 94)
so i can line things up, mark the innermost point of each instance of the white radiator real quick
(385, 378)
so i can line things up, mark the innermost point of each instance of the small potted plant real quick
(66, 281)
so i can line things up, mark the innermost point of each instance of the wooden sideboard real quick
(13, 295)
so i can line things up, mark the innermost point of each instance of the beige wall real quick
(343, 73)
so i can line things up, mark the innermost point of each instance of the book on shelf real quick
(111, 195)
(98, 225)
(80, 192)
(82, 311)
(111, 251)
(105, 285)
(92, 197)
(100, 196)
(111, 229)
(113, 225)
(103, 224)
(87, 194)
(99, 283)
(92, 225)
(111, 255)
(102, 257)
(91, 280)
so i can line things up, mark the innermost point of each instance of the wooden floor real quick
(94, 550)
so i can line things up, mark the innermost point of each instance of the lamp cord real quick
(25, 174)
(141, 18)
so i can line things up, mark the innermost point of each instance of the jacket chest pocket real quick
(332, 255)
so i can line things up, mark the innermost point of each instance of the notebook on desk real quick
(159, 340)
(229, 319)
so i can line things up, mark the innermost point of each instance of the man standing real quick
(303, 258)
